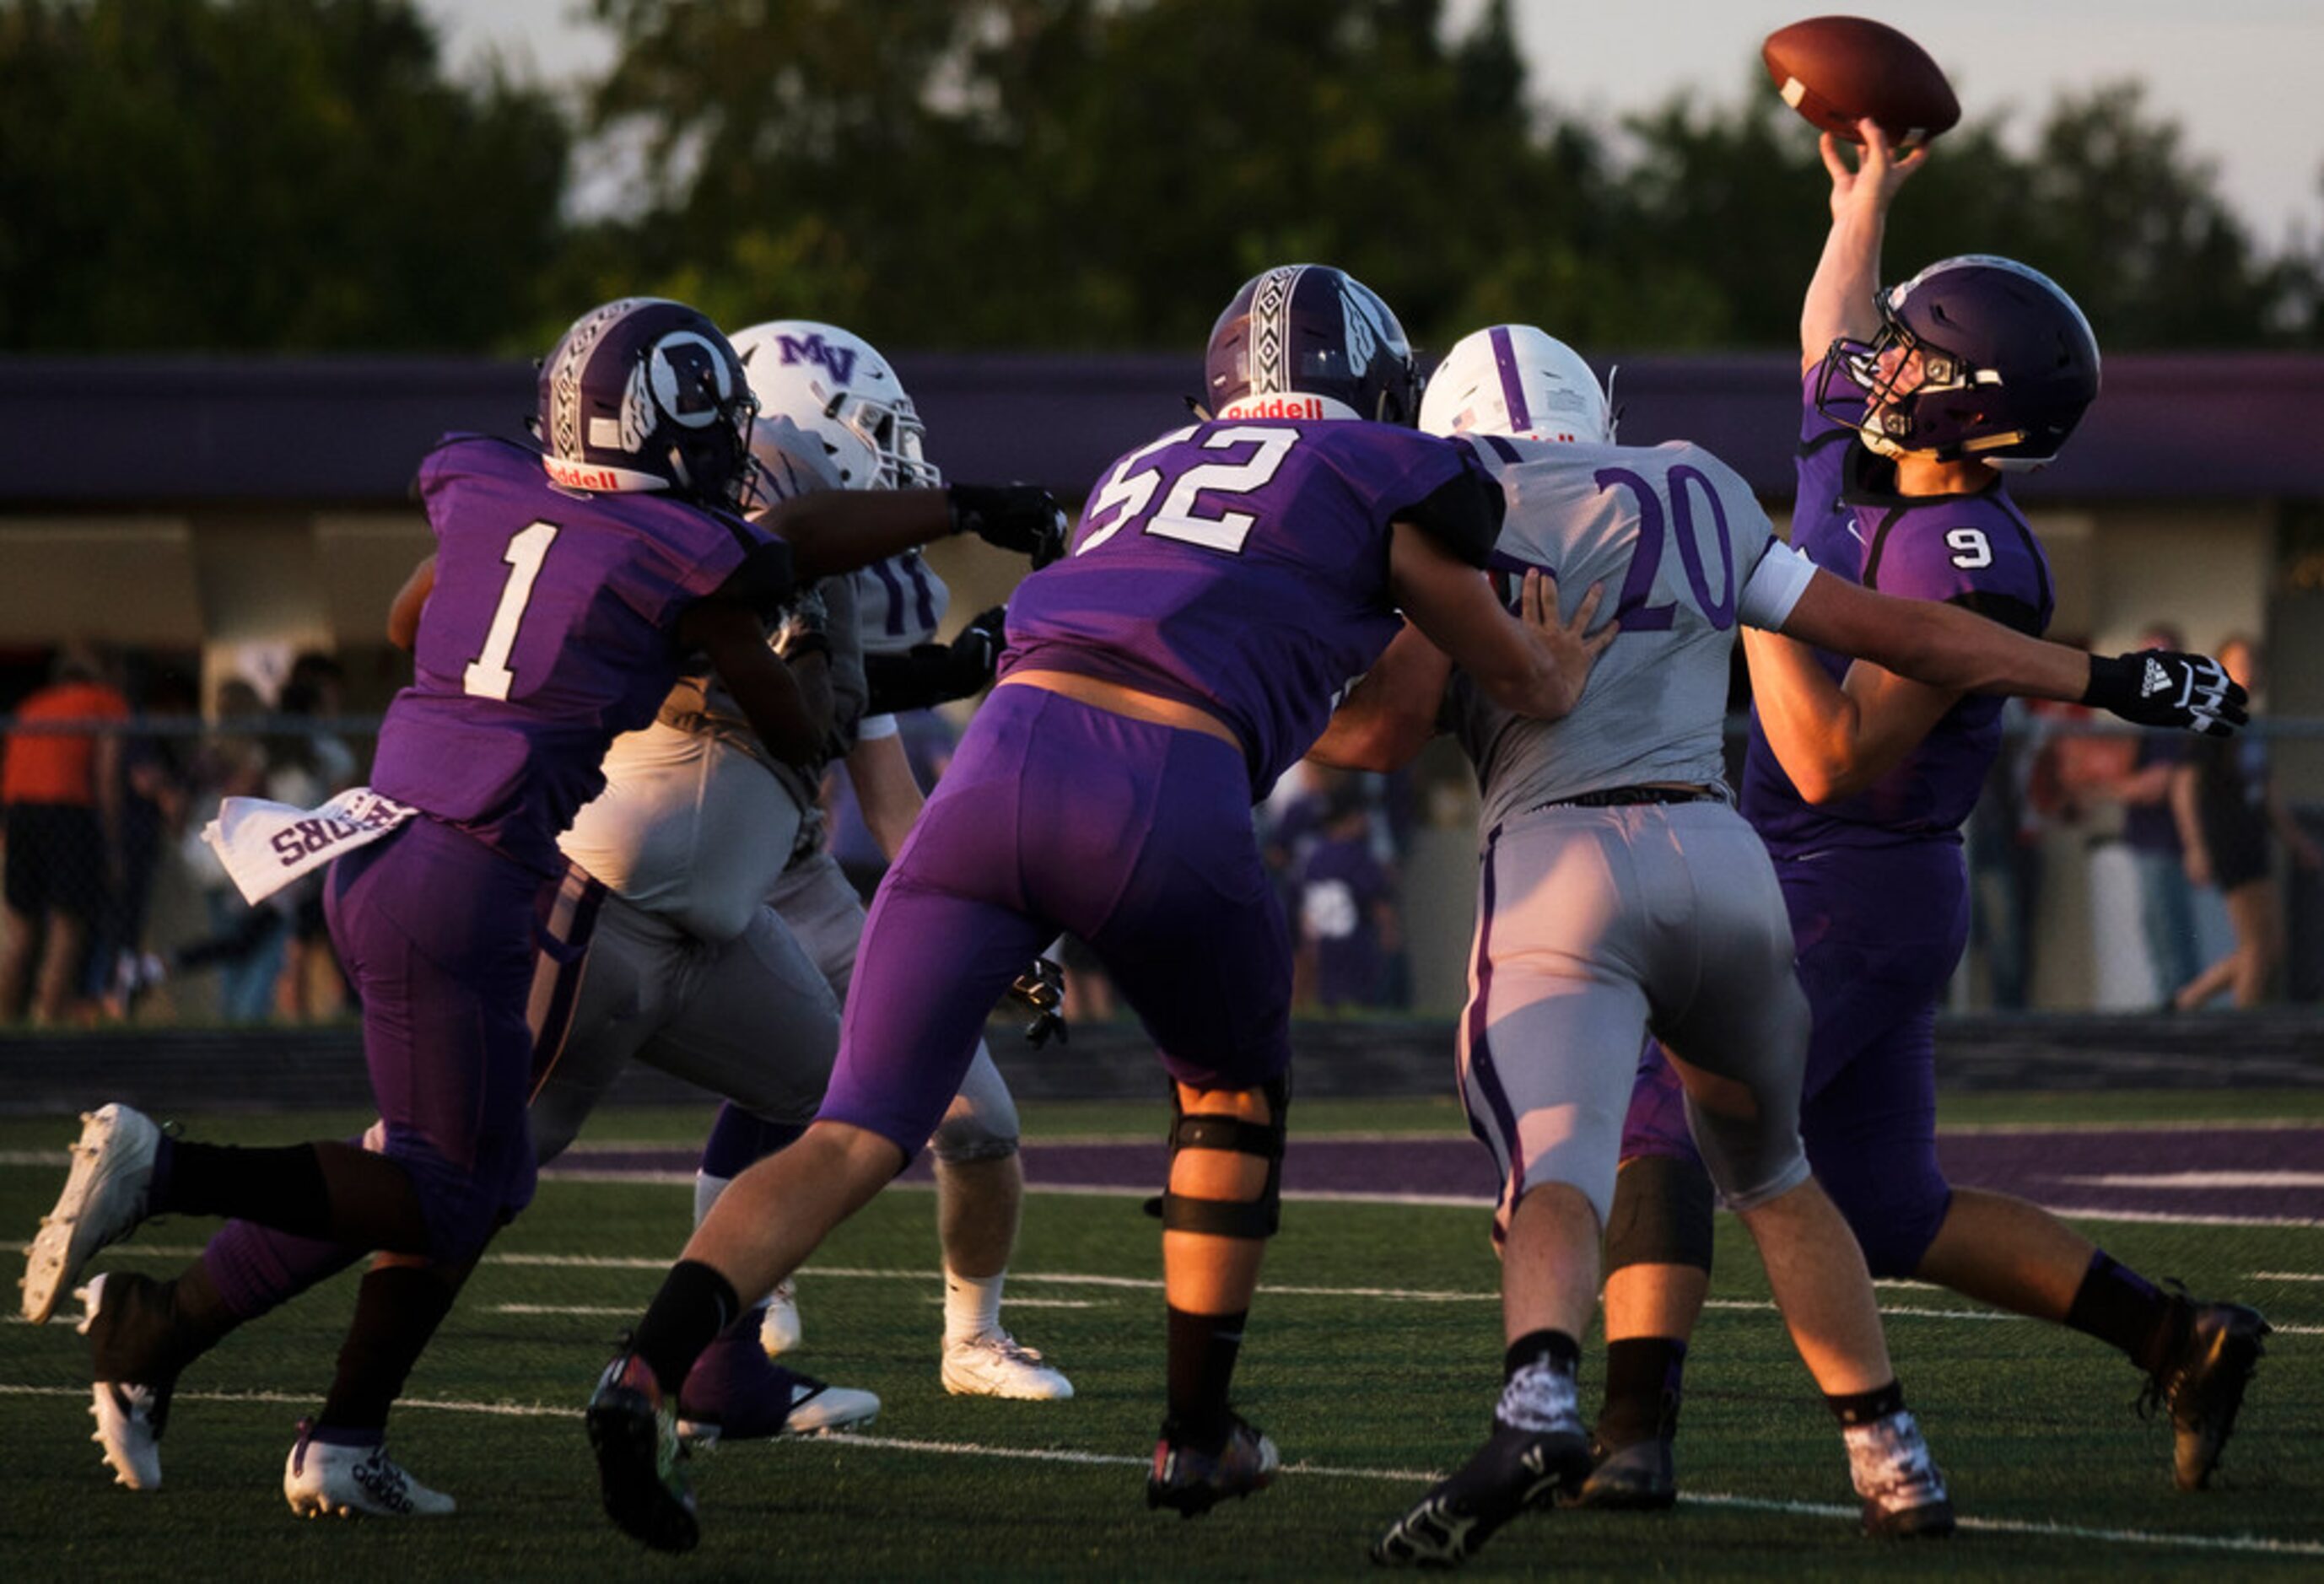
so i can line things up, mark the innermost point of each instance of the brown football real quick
(1837, 71)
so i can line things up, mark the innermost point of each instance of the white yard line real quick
(2142, 1537)
(1132, 1284)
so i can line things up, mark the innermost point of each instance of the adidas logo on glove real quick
(2158, 680)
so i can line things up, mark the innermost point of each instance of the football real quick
(1838, 70)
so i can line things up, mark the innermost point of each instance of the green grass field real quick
(1367, 1391)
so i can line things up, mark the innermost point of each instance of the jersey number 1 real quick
(488, 674)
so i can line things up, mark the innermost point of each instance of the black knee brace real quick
(1661, 1215)
(1229, 1218)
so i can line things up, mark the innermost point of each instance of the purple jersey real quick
(548, 634)
(1973, 551)
(1240, 566)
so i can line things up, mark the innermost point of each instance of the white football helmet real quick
(835, 385)
(1517, 380)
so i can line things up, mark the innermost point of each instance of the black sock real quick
(1643, 1379)
(2123, 1310)
(1553, 1348)
(694, 1305)
(1202, 1349)
(397, 1311)
(282, 1187)
(1853, 1408)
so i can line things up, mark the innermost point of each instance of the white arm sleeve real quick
(1775, 585)
(877, 726)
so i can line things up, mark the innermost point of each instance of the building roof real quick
(115, 433)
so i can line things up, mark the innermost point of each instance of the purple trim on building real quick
(1505, 360)
(318, 432)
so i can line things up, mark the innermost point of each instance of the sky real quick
(2239, 76)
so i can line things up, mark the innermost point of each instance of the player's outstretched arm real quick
(1840, 297)
(1946, 651)
(790, 710)
(840, 530)
(1390, 714)
(1534, 663)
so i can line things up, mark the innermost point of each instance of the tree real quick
(275, 174)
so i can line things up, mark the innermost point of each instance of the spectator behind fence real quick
(153, 785)
(2226, 807)
(1347, 909)
(2150, 829)
(305, 768)
(62, 792)
(247, 945)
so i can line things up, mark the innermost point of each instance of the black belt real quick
(1624, 796)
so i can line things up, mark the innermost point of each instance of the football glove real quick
(1042, 988)
(803, 626)
(930, 674)
(2164, 687)
(1014, 516)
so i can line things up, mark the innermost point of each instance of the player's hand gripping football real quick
(1014, 516)
(1570, 644)
(2164, 687)
(1868, 186)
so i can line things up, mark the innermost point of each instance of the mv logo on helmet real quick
(685, 377)
(839, 360)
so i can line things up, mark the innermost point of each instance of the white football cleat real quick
(102, 1202)
(349, 1482)
(779, 1329)
(997, 1364)
(129, 1417)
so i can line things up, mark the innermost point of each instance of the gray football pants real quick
(755, 1018)
(1594, 927)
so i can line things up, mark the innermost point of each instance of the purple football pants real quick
(457, 953)
(1879, 932)
(1056, 815)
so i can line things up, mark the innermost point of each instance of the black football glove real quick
(931, 673)
(2164, 687)
(803, 626)
(1014, 516)
(1042, 988)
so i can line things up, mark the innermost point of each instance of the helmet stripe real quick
(1505, 359)
(1271, 331)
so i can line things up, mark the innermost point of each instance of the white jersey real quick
(1685, 553)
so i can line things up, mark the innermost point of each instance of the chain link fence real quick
(118, 912)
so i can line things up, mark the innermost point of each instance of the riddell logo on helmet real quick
(579, 476)
(1275, 406)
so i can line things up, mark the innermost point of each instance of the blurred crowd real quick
(114, 904)
(117, 908)
(2194, 857)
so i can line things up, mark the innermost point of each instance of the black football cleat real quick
(1192, 1480)
(2202, 1385)
(635, 1437)
(1640, 1477)
(1515, 1471)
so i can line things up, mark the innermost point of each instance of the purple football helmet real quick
(1310, 341)
(647, 394)
(2008, 366)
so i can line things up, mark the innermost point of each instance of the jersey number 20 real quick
(1638, 584)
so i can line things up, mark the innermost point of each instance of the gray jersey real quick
(1685, 553)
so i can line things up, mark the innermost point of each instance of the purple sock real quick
(739, 1141)
(256, 1268)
